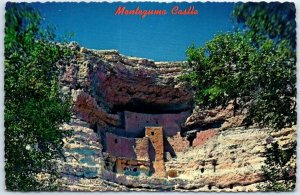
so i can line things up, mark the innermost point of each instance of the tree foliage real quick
(258, 75)
(278, 174)
(34, 108)
(274, 20)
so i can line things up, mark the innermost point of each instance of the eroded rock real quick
(119, 101)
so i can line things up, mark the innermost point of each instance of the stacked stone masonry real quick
(155, 135)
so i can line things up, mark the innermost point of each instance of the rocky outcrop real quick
(218, 117)
(115, 96)
(83, 157)
(118, 82)
(229, 160)
(232, 158)
(86, 107)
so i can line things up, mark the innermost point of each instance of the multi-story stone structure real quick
(145, 144)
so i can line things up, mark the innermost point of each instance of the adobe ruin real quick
(145, 144)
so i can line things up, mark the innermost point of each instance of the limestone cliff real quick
(115, 98)
(113, 82)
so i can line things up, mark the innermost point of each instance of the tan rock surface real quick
(229, 161)
(224, 156)
(114, 80)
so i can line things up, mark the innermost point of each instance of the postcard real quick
(150, 96)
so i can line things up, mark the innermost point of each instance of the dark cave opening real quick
(141, 106)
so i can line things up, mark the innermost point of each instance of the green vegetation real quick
(272, 20)
(34, 108)
(276, 171)
(254, 68)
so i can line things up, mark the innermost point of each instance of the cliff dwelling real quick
(144, 118)
(145, 143)
(223, 118)
(136, 127)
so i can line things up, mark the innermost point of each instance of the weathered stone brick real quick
(203, 136)
(178, 143)
(155, 135)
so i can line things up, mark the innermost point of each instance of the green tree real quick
(273, 20)
(261, 80)
(258, 75)
(34, 107)
(278, 174)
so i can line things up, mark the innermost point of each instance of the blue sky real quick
(162, 38)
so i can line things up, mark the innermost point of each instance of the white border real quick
(2, 20)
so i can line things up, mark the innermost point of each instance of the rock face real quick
(82, 166)
(118, 82)
(135, 129)
(229, 160)
(87, 108)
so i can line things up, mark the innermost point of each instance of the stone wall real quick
(131, 148)
(155, 135)
(176, 144)
(203, 136)
(133, 167)
(171, 123)
(142, 148)
(120, 146)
